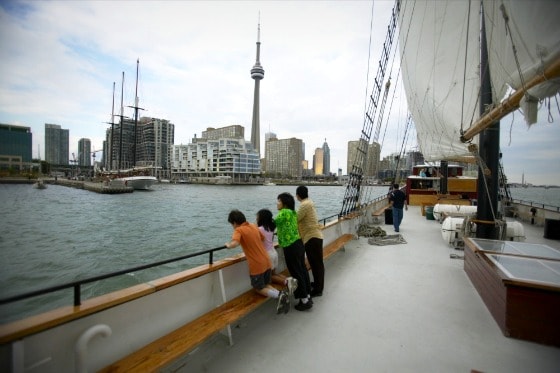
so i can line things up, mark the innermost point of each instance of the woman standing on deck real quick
(294, 251)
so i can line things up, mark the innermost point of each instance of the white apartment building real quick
(224, 157)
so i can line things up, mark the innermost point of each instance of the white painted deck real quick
(397, 308)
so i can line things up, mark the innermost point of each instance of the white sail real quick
(442, 86)
(535, 31)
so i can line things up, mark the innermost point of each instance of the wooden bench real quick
(378, 213)
(170, 347)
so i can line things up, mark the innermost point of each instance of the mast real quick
(136, 108)
(122, 124)
(112, 123)
(489, 151)
(352, 193)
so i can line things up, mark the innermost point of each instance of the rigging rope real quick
(351, 198)
(465, 65)
(508, 32)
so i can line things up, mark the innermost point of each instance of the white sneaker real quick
(292, 285)
(283, 303)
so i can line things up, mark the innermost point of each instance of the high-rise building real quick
(284, 158)
(371, 161)
(154, 141)
(326, 159)
(15, 147)
(120, 144)
(84, 152)
(318, 162)
(257, 73)
(322, 160)
(56, 144)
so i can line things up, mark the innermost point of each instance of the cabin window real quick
(424, 183)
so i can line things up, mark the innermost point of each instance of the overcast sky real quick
(60, 58)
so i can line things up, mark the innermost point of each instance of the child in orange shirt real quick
(260, 268)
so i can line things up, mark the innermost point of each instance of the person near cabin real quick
(260, 268)
(312, 237)
(294, 251)
(397, 199)
(423, 172)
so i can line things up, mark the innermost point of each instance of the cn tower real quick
(257, 73)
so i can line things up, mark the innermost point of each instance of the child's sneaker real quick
(282, 301)
(292, 285)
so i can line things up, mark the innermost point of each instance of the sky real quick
(60, 59)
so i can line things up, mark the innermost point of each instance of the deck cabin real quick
(425, 185)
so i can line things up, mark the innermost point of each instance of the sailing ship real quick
(375, 325)
(137, 178)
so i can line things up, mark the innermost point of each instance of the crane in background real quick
(75, 162)
(93, 155)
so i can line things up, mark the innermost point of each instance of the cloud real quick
(61, 58)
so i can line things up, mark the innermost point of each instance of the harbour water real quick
(60, 234)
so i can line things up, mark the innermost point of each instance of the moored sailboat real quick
(136, 178)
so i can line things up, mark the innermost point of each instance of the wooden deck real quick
(396, 308)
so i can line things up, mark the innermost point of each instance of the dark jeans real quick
(294, 255)
(397, 218)
(314, 252)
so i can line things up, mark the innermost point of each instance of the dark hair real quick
(287, 200)
(302, 192)
(237, 217)
(264, 219)
(395, 186)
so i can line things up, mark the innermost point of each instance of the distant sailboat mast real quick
(122, 124)
(136, 108)
(109, 161)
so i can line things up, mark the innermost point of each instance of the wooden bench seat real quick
(170, 347)
(379, 213)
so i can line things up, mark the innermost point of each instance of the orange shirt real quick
(251, 240)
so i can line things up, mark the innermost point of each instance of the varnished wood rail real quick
(163, 351)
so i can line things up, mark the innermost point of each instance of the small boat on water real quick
(40, 184)
(137, 182)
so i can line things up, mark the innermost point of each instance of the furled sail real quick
(439, 49)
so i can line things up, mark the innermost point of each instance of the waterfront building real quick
(219, 153)
(56, 144)
(84, 152)
(284, 158)
(155, 141)
(257, 73)
(15, 147)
